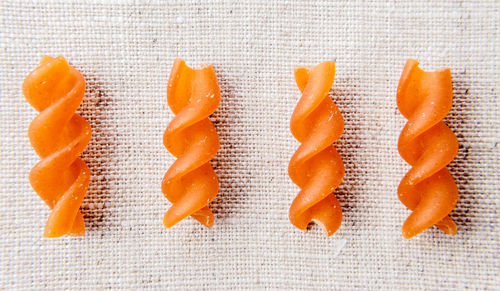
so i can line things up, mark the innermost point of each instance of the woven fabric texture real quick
(125, 51)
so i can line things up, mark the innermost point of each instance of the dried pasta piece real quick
(428, 145)
(316, 167)
(59, 136)
(190, 184)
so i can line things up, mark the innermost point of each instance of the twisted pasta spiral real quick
(190, 184)
(316, 167)
(428, 145)
(59, 136)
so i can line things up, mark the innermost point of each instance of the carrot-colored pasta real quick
(428, 145)
(59, 136)
(316, 167)
(190, 184)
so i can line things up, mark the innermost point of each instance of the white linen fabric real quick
(125, 49)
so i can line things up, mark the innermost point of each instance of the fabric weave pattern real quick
(125, 50)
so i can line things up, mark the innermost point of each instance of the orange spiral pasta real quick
(428, 145)
(59, 136)
(190, 184)
(316, 167)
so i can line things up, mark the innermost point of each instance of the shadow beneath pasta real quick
(460, 167)
(225, 163)
(348, 145)
(97, 155)
(345, 97)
